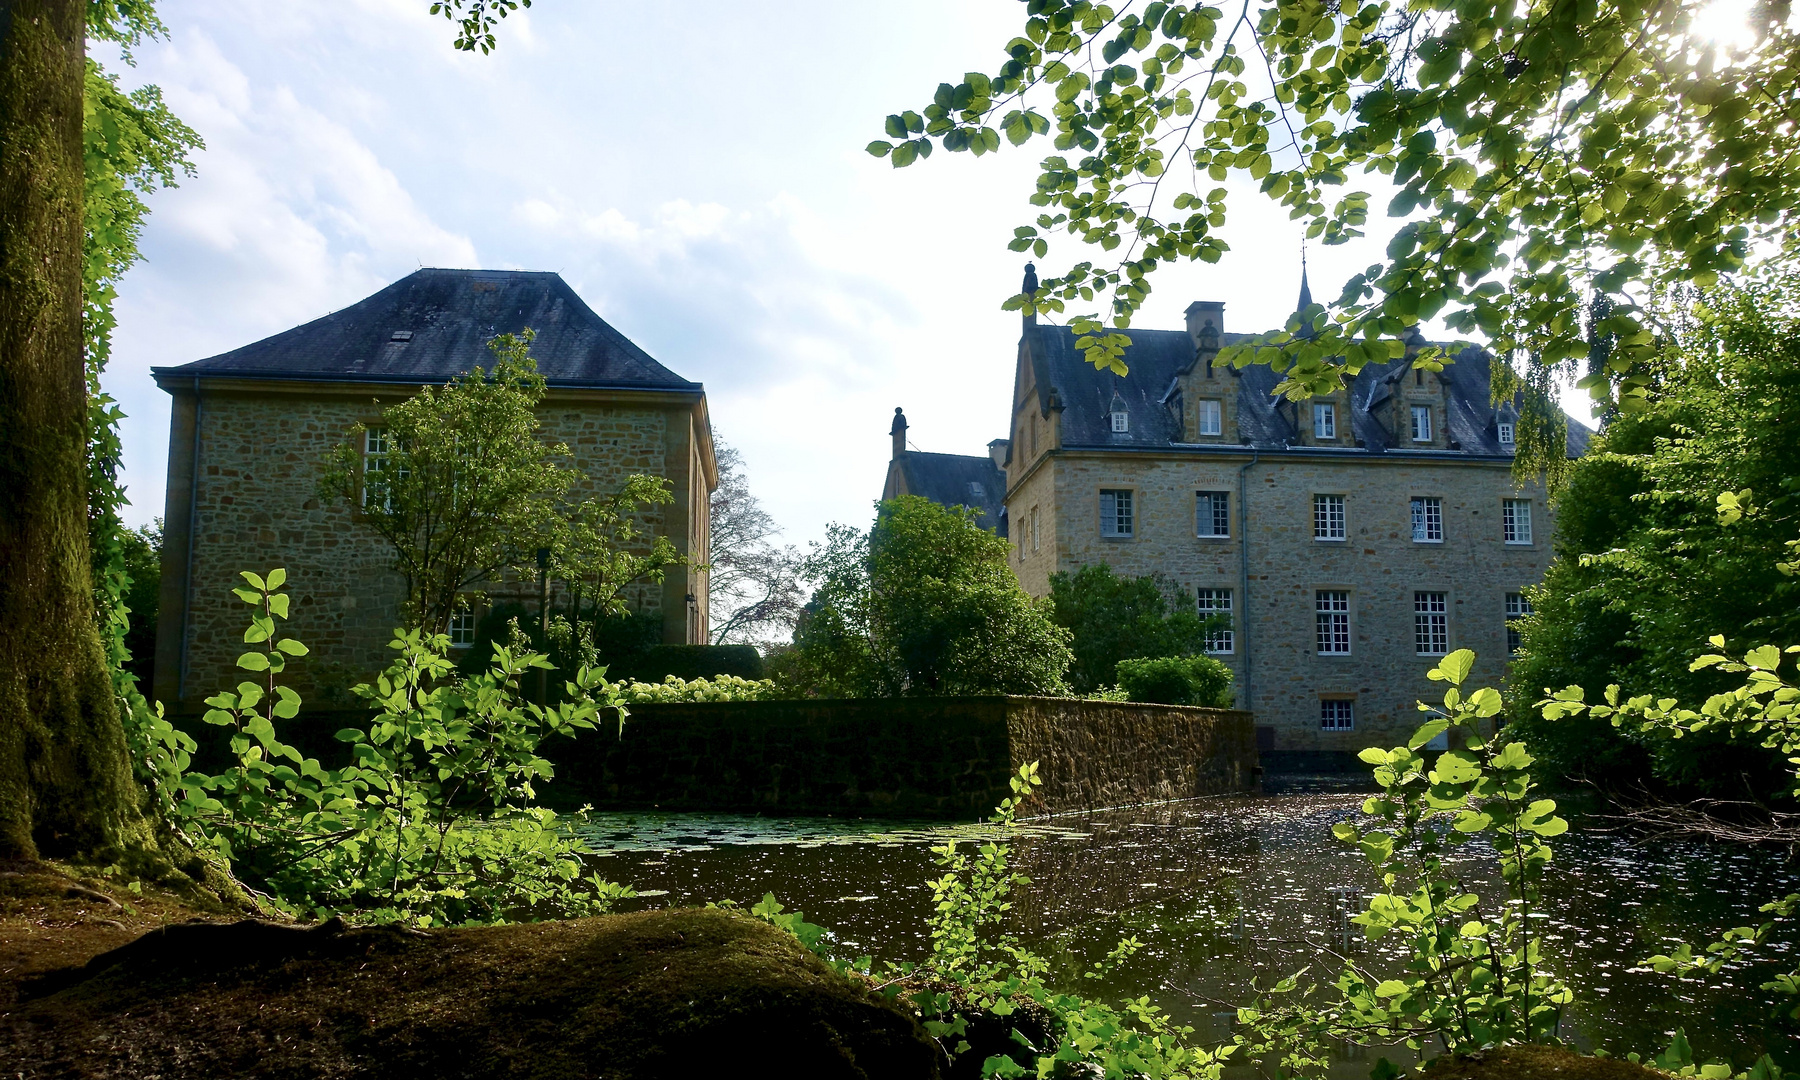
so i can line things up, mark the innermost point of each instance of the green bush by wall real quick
(1177, 680)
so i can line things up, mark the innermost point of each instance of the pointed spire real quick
(1305, 289)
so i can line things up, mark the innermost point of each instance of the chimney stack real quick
(898, 431)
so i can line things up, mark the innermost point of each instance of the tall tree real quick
(1543, 151)
(66, 785)
(1112, 618)
(753, 588)
(925, 604)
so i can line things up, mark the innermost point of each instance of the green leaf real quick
(277, 578)
(253, 661)
(1453, 668)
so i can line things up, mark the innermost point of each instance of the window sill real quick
(1210, 536)
(1416, 540)
(1117, 539)
(1332, 539)
(1519, 544)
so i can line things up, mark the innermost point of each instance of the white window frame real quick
(1329, 518)
(1331, 621)
(1217, 602)
(1427, 519)
(1121, 422)
(1210, 417)
(378, 448)
(1515, 521)
(1507, 432)
(1324, 420)
(1212, 511)
(1421, 423)
(1431, 623)
(1337, 714)
(1118, 513)
(462, 627)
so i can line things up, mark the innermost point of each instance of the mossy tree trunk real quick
(66, 786)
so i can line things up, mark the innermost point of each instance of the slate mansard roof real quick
(435, 324)
(973, 481)
(1150, 395)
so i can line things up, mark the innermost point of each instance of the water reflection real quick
(1224, 891)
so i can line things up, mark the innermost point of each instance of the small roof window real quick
(401, 335)
(977, 490)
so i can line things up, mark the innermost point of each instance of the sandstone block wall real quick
(254, 506)
(931, 757)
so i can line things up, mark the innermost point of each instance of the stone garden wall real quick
(928, 757)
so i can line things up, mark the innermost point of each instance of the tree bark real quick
(66, 785)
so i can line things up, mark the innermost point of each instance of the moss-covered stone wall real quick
(928, 757)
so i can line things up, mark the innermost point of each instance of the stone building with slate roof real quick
(1353, 538)
(250, 428)
(978, 483)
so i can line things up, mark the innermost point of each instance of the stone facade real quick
(245, 456)
(1280, 674)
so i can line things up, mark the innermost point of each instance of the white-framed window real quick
(1515, 520)
(1115, 512)
(1332, 610)
(1216, 602)
(1427, 519)
(1034, 528)
(1518, 605)
(378, 447)
(1431, 623)
(1121, 421)
(1506, 433)
(1328, 517)
(1337, 714)
(1211, 417)
(1421, 423)
(1324, 420)
(462, 628)
(1212, 513)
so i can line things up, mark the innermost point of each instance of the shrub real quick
(697, 662)
(1112, 618)
(1177, 680)
(718, 688)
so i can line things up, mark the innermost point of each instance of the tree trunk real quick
(66, 785)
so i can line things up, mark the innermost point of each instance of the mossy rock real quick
(1537, 1063)
(652, 994)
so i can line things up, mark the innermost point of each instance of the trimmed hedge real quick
(1177, 680)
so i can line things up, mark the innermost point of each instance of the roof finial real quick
(1305, 289)
(1030, 286)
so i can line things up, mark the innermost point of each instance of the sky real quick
(696, 173)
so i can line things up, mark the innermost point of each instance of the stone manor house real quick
(250, 428)
(1352, 539)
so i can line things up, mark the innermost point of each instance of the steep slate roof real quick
(949, 479)
(434, 324)
(1157, 358)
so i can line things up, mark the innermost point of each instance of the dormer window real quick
(1418, 376)
(1121, 421)
(1506, 433)
(1211, 416)
(976, 491)
(1324, 421)
(1421, 423)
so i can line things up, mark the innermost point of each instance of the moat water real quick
(1225, 893)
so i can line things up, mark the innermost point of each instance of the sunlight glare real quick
(1725, 23)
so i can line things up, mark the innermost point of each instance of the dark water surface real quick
(1224, 891)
